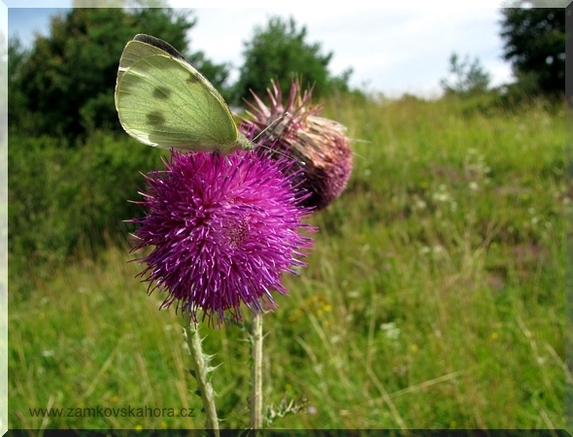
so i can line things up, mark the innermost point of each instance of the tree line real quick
(64, 85)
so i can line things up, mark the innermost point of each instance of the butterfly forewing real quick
(165, 102)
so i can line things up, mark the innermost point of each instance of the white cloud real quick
(391, 49)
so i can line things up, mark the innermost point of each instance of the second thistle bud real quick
(319, 145)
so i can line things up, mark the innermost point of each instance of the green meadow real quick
(434, 296)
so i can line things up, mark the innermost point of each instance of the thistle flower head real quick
(223, 229)
(321, 149)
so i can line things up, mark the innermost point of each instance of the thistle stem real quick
(257, 372)
(203, 384)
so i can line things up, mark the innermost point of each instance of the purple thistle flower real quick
(223, 228)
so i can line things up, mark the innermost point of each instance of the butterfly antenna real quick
(275, 121)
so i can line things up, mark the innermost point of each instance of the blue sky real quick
(391, 49)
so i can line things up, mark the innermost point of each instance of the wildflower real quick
(319, 146)
(223, 228)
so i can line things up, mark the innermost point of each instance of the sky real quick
(391, 49)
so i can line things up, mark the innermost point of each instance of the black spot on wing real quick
(162, 93)
(155, 118)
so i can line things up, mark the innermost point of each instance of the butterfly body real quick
(163, 101)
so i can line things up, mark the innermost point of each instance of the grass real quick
(434, 297)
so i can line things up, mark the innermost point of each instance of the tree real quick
(280, 52)
(16, 101)
(468, 78)
(535, 45)
(65, 85)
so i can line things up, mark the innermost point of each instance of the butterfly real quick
(163, 101)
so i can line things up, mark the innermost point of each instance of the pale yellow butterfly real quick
(163, 101)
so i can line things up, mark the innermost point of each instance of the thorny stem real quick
(203, 384)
